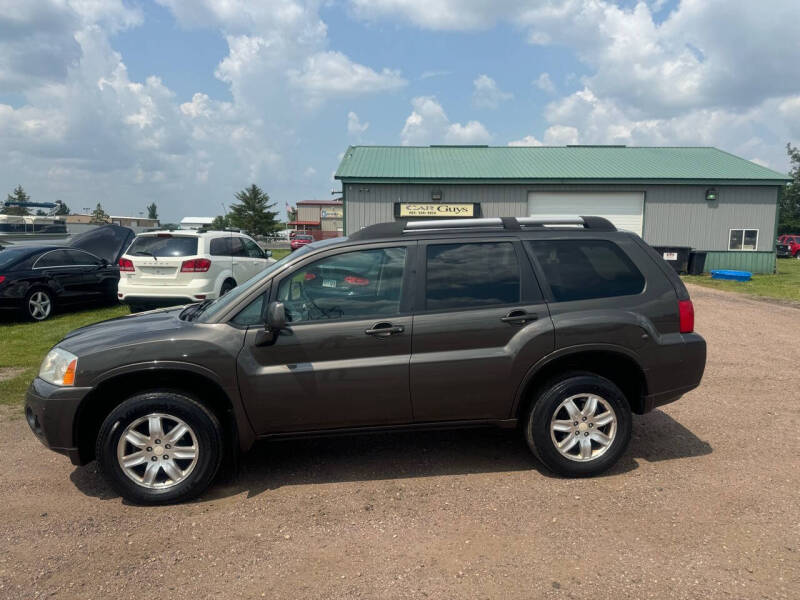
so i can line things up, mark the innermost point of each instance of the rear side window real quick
(55, 258)
(237, 248)
(163, 245)
(220, 246)
(471, 275)
(585, 269)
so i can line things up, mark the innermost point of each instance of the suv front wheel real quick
(580, 424)
(159, 447)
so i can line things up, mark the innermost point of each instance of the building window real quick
(743, 239)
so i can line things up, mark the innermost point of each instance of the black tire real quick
(203, 423)
(549, 399)
(137, 308)
(227, 286)
(38, 292)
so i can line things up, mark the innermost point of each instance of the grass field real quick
(784, 285)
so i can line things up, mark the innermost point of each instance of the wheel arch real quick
(611, 362)
(116, 388)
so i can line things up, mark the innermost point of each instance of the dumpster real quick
(697, 262)
(676, 256)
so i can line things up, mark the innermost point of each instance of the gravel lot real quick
(706, 504)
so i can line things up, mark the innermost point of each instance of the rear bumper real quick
(51, 411)
(187, 293)
(681, 364)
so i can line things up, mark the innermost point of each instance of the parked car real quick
(300, 240)
(788, 246)
(168, 268)
(561, 331)
(34, 279)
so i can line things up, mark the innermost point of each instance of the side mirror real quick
(274, 322)
(268, 253)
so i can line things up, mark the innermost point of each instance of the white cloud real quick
(433, 73)
(429, 124)
(528, 140)
(544, 83)
(354, 125)
(486, 93)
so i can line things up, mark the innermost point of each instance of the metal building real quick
(703, 198)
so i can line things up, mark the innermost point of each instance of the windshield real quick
(11, 255)
(163, 244)
(214, 307)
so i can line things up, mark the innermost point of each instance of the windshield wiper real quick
(198, 309)
(145, 252)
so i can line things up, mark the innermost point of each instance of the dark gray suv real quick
(563, 328)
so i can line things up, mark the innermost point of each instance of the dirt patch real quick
(7, 373)
(703, 505)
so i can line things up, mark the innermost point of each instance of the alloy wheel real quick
(583, 427)
(39, 305)
(157, 451)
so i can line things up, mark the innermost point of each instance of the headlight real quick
(58, 367)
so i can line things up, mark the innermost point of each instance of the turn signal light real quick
(686, 314)
(69, 374)
(196, 265)
(126, 264)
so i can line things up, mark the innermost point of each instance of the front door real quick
(481, 323)
(343, 360)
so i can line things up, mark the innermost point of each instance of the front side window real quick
(251, 249)
(586, 269)
(352, 285)
(743, 239)
(471, 275)
(77, 257)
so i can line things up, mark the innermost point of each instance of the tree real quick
(40, 213)
(61, 208)
(789, 204)
(220, 222)
(252, 212)
(152, 211)
(99, 216)
(20, 196)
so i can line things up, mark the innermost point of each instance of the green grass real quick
(23, 345)
(784, 285)
(279, 253)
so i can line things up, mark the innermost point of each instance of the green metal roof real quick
(550, 164)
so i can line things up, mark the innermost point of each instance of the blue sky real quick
(185, 102)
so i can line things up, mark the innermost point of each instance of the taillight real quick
(2, 278)
(686, 314)
(196, 265)
(126, 264)
(353, 280)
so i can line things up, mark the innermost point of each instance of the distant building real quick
(136, 223)
(321, 218)
(196, 222)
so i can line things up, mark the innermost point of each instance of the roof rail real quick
(396, 229)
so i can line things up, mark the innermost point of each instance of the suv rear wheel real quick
(580, 424)
(159, 447)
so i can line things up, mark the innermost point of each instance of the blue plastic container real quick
(731, 274)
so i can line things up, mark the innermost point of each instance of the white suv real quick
(163, 268)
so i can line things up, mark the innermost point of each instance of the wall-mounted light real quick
(711, 195)
(436, 196)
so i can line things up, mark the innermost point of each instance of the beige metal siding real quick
(673, 214)
(331, 224)
(308, 213)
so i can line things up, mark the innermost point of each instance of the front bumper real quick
(51, 411)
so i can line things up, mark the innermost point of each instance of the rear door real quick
(480, 322)
(65, 276)
(157, 259)
(94, 274)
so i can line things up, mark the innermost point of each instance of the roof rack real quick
(396, 229)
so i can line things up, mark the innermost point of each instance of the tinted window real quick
(220, 246)
(10, 256)
(251, 315)
(353, 285)
(54, 258)
(469, 275)
(237, 248)
(163, 245)
(82, 258)
(582, 269)
(251, 249)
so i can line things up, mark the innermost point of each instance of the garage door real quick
(623, 209)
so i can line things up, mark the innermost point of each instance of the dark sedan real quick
(34, 279)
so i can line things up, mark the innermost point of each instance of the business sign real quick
(331, 213)
(449, 210)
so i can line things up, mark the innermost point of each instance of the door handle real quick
(384, 329)
(518, 317)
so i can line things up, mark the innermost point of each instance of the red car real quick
(301, 239)
(788, 246)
